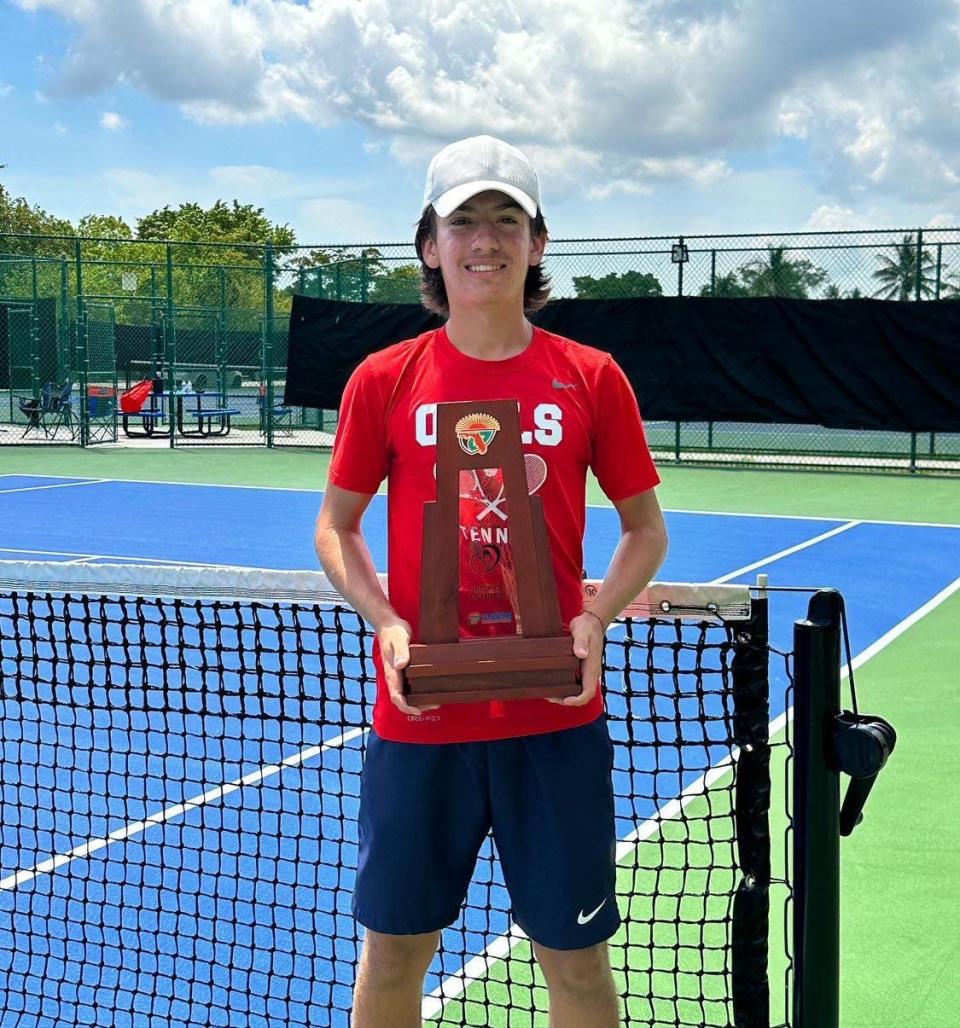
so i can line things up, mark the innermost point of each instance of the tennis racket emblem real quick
(486, 485)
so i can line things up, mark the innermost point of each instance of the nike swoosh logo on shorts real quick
(583, 918)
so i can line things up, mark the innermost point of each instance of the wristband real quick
(603, 627)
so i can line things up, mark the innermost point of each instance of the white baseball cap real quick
(474, 165)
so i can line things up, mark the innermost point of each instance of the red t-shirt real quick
(577, 411)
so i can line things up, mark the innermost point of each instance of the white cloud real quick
(251, 178)
(5, 89)
(334, 219)
(615, 104)
(832, 218)
(59, 129)
(113, 122)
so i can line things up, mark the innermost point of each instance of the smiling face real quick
(483, 250)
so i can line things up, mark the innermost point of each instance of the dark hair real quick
(433, 293)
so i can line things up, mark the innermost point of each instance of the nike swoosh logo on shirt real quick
(583, 918)
(557, 384)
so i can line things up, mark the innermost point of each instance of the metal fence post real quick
(82, 357)
(816, 809)
(35, 332)
(713, 272)
(63, 326)
(156, 327)
(268, 271)
(936, 285)
(170, 349)
(223, 289)
(917, 291)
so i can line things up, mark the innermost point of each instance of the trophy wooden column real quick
(537, 663)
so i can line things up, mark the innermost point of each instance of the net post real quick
(749, 982)
(816, 805)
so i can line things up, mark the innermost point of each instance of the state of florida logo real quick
(475, 433)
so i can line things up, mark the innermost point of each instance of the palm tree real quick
(728, 285)
(778, 274)
(950, 284)
(897, 275)
(834, 292)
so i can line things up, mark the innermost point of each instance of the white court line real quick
(786, 553)
(200, 485)
(138, 557)
(139, 827)
(779, 723)
(455, 985)
(56, 485)
(806, 517)
(590, 506)
(81, 557)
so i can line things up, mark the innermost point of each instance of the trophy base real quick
(506, 668)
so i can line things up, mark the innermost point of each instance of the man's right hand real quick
(394, 641)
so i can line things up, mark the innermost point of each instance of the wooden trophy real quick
(537, 662)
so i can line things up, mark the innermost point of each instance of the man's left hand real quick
(588, 633)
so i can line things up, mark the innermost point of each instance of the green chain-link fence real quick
(212, 319)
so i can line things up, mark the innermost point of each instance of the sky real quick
(651, 117)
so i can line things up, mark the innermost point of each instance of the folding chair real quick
(60, 414)
(101, 414)
(282, 416)
(33, 410)
(49, 413)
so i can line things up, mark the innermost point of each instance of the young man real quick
(537, 772)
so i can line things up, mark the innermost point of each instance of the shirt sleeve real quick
(621, 458)
(360, 458)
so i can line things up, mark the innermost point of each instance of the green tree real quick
(344, 274)
(232, 222)
(117, 268)
(897, 274)
(950, 285)
(728, 285)
(778, 274)
(630, 283)
(834, 292)
(218, 276)
(21, 218)
(104, 226)
(397, 285)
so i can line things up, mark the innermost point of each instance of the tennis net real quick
(181, 751)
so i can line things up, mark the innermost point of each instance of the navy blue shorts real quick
(425, 810)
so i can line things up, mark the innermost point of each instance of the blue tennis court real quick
(261, 784)
(885, 570)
